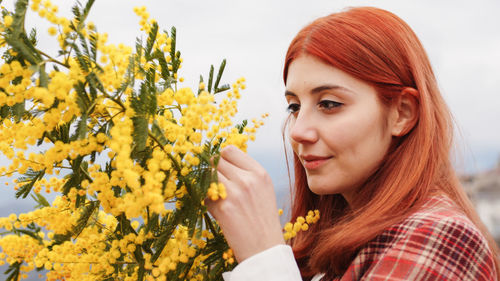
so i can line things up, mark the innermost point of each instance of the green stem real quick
(208, 222)
(51, 59)
(81, 168)
(176, 165)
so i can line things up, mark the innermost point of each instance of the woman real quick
(371, 137)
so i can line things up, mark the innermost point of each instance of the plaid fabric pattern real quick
(436, 243)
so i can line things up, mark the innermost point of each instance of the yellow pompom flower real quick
(7, 20)
(52, 31)
(301, 224)
(153, 142)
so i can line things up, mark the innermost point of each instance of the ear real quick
(405, 112)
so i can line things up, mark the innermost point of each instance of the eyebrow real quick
(321, 89)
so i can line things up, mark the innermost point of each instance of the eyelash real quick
(293, 108)
(329, 104)
(324, 104)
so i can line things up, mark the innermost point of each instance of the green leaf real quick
(31, 177)
(81, 128)
(44, 78)
(85, 46)
(76, 10)
(14, 270)
(32, 234)
(176, 62)
(93, 48)
(222, 88)
(61, 133)
(40, 200)
(140, 134)
(18, 38)
(130, 76)
(219, 74)
(75, 178)
(162, 239)
(210, 78)
(82, 99)
(173, 35)
(81, 15)
(87, 8)
(32, 37)
(151, 40)
(164, 72)
(4, 111)
(140, 274)
(158, 133)
(18, 111)
(145, 103)
(95, 83)
(241, 127)
(86, 212)
(82, 60)
(152, 223)
(58, 239)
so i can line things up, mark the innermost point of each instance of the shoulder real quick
(437, 221)
(436, 242)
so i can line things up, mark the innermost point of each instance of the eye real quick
(329, 104)
(293, 108)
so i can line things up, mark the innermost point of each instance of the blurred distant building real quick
(484, 190)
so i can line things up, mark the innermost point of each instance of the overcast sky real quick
(461, 38)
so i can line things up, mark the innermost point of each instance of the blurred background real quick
(461, 38)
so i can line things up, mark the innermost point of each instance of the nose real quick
(303, 129)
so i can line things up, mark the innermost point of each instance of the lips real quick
(312, 162)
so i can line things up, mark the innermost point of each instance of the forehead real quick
(308, 72)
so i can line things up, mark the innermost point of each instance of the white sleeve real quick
(276, 263)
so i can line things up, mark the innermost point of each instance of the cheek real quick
(358, 136)
(288, 129)
(344, 132)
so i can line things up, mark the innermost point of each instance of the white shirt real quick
(276, 264)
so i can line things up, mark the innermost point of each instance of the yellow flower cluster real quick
(301, 224)
(228, 256)
(57, 218)
(46, 9)
(7, 20)
(216, 191)
(113, 59)
(12, 252)
(13, 93)
(127, 152)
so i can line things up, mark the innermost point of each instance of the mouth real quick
(312, 162)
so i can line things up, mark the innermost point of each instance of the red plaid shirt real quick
(436, 243)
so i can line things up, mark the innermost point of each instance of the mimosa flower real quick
(127, 152)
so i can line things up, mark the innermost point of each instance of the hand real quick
(248, 216)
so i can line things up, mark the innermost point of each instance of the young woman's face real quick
(337, 128)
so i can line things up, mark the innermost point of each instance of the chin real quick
(324, 186)
(320, 192)
(321, 189)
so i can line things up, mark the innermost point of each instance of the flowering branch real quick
(136, 149)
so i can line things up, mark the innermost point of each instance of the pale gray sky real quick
(461, 38)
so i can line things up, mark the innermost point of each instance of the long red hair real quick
(379, 48)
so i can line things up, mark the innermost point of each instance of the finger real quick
(228, 170)
(223, 179)
(239, 158)
(212, 207)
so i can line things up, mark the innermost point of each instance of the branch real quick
(176, 165)
(51, 59)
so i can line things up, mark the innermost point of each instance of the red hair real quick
(379, 48)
